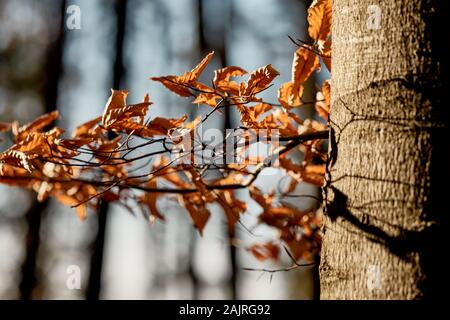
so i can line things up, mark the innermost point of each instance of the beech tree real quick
(384, 212)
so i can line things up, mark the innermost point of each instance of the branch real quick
(294, 266)
(293, 142)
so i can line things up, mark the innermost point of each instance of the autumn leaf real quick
(15, 158)
(250, 115)
(72, 201)
(265, 251)
(162, 126)
(74, 194)
(74, 143)
(259, 80)
(33, 146)
(117, 100)
(35, 126)
(233, 208)
(150, 199)
(4, 126)
(171, 83)
(300, 248)
(193, 124)
(193, 75)
(313, 174)
(14, 176)
(196, 179)
(198, 212)
(206, 96)
(196, 202)
(222, 76)
(168, 173)
(181, 84)
(319, 20)
(275, 215)
(304, 63)
(325, 51)
(323, 100)
(117, 110)
(85, 130)
(284, 123)
(287, 97)
(222, 81)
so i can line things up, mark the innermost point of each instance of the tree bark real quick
(386, 212)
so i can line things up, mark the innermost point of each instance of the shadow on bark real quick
(428, 243)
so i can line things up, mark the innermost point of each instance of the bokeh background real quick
(44, 65)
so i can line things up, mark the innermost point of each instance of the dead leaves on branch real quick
(181, 84)
(21, 132)
(306, 57)
(323, 100)
(222, 78)
(119, 115)
(258, 81)
(89, 165)
(298, 229)
(265, 251)
(187, 85)
(196, 202)
(304, 63)
(319, 20)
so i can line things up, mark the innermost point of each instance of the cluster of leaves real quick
(99, 159)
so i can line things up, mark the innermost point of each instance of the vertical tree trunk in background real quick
(386, 210)
(227, 124)
(193, 240)
(214, 40)
(53, 68)
(96, 264)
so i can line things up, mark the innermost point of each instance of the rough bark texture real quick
(386, 207)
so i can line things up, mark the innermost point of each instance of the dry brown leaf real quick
(309, 173)
(171, 83)
(84, 130)
(286, 95)
(233, 208)
(193, 75)
(181, 84)
(259, 80)
(325, 51)
(222, 77)
(265, 251)
(162, 126)
(319, 20)
(4, 126)
(304, 63)
(117, 110)
(206, 96)
(150, 199)
(199, 213)
(34, 126)
(73, 194)
(323, 100)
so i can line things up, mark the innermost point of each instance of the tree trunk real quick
(53, 69)
(385, 210)
(93, 291)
